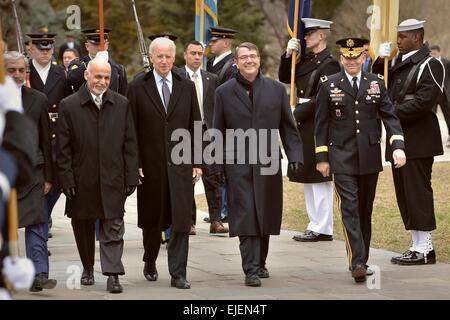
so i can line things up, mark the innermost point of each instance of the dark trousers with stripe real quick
(415, 194)
(355, 195)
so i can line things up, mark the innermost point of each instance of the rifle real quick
(20, 46)
(140, 36)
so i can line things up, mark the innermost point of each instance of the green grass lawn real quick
(387, 226)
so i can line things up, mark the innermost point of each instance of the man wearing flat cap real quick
(76, 69)
(49, 79)
(347, 132)
(415, 83)
(317, 63)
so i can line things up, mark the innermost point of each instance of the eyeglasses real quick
(13, 70)
(251, 56)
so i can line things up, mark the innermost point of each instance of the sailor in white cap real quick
(317, 64)
(415, 83)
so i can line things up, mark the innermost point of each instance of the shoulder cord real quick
(422, 67)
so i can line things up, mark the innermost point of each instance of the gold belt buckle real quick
(53, 116)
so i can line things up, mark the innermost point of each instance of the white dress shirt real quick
(350, 78)
(42, 70)
(221, 57)
(159, 83)
(409, 54)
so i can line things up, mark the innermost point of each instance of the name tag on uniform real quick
(336, 95)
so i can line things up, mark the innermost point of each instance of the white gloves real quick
(293, 44)
(19, 271)
(385, 50)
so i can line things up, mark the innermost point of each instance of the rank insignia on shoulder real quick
(380, 76)
(324, 79)
(73, 67)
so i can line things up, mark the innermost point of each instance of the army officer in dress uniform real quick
(76, 69)
(348, 132)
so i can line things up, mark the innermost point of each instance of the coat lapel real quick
(52, 79)
(177, 89)
(363, 85)
(243, 96)
(27, 99)
(152, 91)
(205, 79)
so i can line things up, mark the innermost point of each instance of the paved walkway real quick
(298, 270)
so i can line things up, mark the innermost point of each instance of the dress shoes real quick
(417, 258)
(113, 285)
(263, 273)
(150, 272)
(252, 280)
(41, 282)
(224, 219)
(407, 253)
(180, 283)
(193, 232)
(87, 277)
(311, 236)
(359, 273)
(217, 227)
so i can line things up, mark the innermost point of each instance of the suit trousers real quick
(415, 195)
(355, 195)
(111, 244)
(177, 250)
(254, 250)
(213, 192)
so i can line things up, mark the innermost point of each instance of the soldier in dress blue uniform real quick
(75, 74)
(416, 81)
(347, 132)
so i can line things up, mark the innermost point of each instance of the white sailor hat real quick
(410, 24)
(315, 24)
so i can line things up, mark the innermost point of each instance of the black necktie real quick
(355, 85)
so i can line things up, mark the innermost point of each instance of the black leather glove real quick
(129, 190)
(295, 167)
(70, 193)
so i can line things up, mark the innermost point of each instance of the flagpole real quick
(294, 55)
(202, 21)
(102, 25)
(386, 39)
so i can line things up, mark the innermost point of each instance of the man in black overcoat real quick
(162, 102)
(98, 168)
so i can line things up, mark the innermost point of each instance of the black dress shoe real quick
(407, 253)
(224, 219)
(87, 278)
(41, 282)
(206, 219)
(252, 280)
(180, 283)
(150, 272)
(359, 273)
(417, 258)
(113, 285)
(311, 236)
(263, 273)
